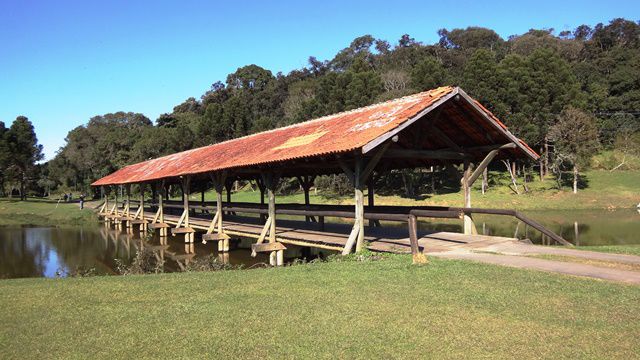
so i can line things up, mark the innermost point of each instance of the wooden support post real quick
(260, 184)
(469, 227)
(276, 257)
(127, 212)
(418, 256)
(359, 186)
(105, 207)
(371, 201)
(186, 191)
(306, 196)
(163, 195)
(118, 223)
(202, 201)
(306, 182)
(222, 238)
(358, 177)
(228, 185)
(143, 224)
(115, 203)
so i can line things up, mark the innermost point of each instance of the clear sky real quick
(62, 62)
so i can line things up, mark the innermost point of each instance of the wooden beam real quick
(481, 167)
(359, 189)
(267, 247)
(347, 171)
(425, 154)
(486, 148)
(351, 239)
(447, 140)
(276, 258)
(469, 227)
(371, 164)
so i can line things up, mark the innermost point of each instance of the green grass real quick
(604, 190)
(618, 249)
(378, 309)
(43, 213)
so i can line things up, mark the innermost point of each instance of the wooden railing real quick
(408, 214)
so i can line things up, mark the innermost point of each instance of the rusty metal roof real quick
(338, 133)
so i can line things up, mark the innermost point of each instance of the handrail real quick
(385, 213)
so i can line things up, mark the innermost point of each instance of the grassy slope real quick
(382, 309)
(605, 190)
(42, 213)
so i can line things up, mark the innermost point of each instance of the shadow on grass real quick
(567, 180)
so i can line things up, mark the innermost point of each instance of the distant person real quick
(81, 201)
(70, 197)
(65, 197)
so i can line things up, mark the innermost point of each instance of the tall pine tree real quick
(25, 152)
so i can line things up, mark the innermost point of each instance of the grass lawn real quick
(618, 249)
(381, 309)
(604, 190)
(43, 213)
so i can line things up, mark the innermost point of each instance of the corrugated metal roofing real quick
(338, 133)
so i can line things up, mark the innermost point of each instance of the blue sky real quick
(62, 62)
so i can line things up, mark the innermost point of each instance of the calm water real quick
(44, 252)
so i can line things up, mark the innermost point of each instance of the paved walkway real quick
(562, 267)
(482, 248)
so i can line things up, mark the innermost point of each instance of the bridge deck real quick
(393, 239)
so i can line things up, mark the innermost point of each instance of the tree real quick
(471, 38)
(25, 152)
(5, 154)
(575, 136)
(428, 74)
(250, 77)
(480, 77)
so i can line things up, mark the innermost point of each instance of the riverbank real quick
(381, 309)
(42, 212)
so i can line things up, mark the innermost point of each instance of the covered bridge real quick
(443, 126)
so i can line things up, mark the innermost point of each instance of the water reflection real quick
(50, 252)
(580, 227)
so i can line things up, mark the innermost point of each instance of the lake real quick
(51, 252)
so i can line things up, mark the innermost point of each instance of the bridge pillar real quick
(276, 257)
(127, 213)
(143, 224)
(161, 196)
(186, 191)
(117, 222)
(359, 199)
(223, 240)
(468, 224)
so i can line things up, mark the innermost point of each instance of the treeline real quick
(542, 84)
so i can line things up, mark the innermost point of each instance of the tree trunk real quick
(575, 179)
(546, 156)
(485, 182)
(514, 181)
(23, 197)
(541, 165)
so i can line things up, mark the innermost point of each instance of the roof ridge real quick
(327, 117)
(320, 119)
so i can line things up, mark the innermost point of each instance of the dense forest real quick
(568, 94)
